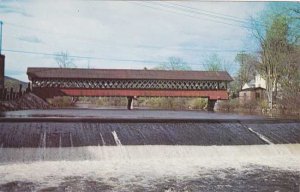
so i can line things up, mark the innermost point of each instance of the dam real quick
(147, 150)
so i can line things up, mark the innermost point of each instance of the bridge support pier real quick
(211, 104)
(130, 103)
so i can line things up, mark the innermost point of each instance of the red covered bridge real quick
(50, 82)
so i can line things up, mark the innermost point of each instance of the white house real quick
(257, 82)
(253, 90)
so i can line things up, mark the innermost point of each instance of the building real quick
(258, 81)
(253, 90)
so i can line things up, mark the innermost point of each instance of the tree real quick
(277, 33)
(290, 82)
(274, 49)
(246, 72)
(174, 63)
(213, 63)
(64, 60)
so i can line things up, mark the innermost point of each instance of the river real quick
(147, 150)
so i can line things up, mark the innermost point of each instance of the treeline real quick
(174, 103)
(276, 33)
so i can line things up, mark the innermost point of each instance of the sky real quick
(125, 35)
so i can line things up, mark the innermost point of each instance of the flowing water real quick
(152, 168)
(211, 155)
(116, 138)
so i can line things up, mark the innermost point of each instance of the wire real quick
(188, 15)
(212, 14)
(93, 58)
(132, 47)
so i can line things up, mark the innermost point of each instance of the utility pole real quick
(2, 62)
(1, 23)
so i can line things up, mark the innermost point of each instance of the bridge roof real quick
(76, 73)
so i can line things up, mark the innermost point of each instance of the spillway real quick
(101, 154)
(150, 132)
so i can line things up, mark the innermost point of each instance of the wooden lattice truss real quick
(130, 84)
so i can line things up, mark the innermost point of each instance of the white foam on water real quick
(116, 138)
(261, 136)
(102, 140)
(60, 141)
(71, 140)
(1, 146)
(149, 161)
(43, 137)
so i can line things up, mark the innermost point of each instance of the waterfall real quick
(262, 137)
(41, 151)
(71, 140)
(148, 165)
(1, 146)
(103, 142)
(117, 140)
(60, 140)
(49, 134)
(59, 148)
(43, 137)
(271, 155)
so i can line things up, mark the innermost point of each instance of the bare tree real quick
(273, 40)
(215, 63)
(174, 63)
(247, 68)
(64, 60)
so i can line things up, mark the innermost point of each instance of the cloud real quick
(11, 9)
(30, 39)
(120, 30)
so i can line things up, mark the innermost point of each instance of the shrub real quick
(63, 101)
(228, 105)
(250, 105)
(111, 101)
(263, 105)
(198, 103)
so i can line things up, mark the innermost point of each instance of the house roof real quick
(253, 89)
(75, 73)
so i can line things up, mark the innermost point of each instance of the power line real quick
(76, 56)
(182, 8)
(132, 47)
(212, 14)
(188, 15)
(149, 62)
(93, 58)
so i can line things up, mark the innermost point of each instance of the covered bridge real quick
(50, 82)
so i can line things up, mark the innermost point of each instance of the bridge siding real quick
(211, 94)
(84, 76)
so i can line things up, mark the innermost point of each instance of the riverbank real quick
(27, 101)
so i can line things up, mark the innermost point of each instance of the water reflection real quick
(119, 113)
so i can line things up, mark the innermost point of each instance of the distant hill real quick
(14, 83)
